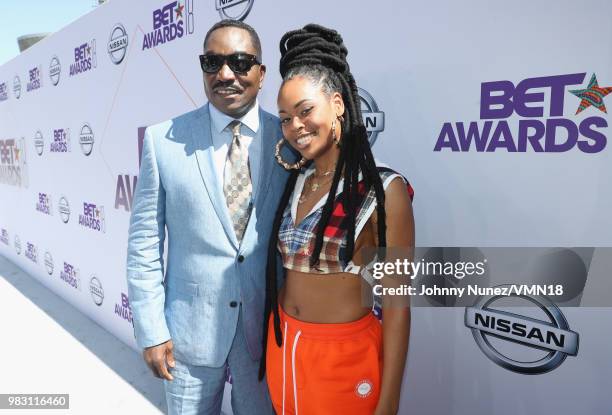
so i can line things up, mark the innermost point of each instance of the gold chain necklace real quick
(316, 185)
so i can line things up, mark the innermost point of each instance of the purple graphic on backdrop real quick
(92, 217)
(541, 128)
(44, 204)
(31, 252)
(126, 184)
(70, 275)
(34, 81)
(169, 24)
(141, 133)
(61, 141)
(123, 309)
(4, 236)
(3, 92)
(13, 166)
(84, 58)
(124, 191)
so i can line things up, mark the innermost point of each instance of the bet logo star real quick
(179, 10)
(593, 95)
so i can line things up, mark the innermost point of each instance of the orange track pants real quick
(323, 369)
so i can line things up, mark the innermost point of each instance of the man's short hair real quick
(241, 25)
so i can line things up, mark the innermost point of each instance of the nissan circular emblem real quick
(96, 291)
(64, 209)
(86, 139)
(17, 245)
(117, 44)
(234, 9)
(49, 263)
(17, 86)
(373, 118)
(55, 70)
(39, 143)
(551, 336)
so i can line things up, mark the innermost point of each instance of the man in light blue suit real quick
(209, 179)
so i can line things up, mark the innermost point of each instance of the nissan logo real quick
(552, 336)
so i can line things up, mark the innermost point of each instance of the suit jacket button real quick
(233, 304)
(240, 258)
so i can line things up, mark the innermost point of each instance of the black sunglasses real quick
(239, 63)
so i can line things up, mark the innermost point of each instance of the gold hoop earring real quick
(334, 136)
(295, 166)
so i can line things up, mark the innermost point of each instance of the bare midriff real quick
(328, 298)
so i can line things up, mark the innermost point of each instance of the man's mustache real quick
(226, 85)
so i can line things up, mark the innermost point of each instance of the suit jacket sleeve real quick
(145, 262)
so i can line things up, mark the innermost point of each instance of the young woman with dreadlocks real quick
(325, 352)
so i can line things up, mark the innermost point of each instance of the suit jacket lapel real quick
(267, 158)
(202, 141)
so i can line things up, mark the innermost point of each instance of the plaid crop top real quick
(296, 243)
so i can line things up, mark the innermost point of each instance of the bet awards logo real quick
(71, 276)
(3, 92)
(170, 22)
(124, 192)
(84, 58)
(35, 81)
(49, 266)
(373, 118)
(92, 217)
(123, 309)
(61, 141)
(126, 184)
(4, 237)
(86, 139)
(553, 337)
(39, 143)
(96, 291)
(117, 44)
(537, 131)
(44, 204)
(234, 9)
(13, 165)
(31, 252)
(17, 245)
(17, 87)
(55, 69)
(64, 209)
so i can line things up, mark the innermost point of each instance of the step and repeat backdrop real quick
(495, 111)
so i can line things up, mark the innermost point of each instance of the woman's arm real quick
(396, 310)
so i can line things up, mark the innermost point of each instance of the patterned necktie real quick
(237, 182)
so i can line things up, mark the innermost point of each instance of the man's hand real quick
(159, 359)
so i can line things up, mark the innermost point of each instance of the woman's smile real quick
(304, 140)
